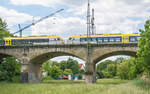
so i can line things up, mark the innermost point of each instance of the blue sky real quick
(112, 16)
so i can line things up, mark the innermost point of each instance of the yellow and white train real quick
(104, 38)
(74, 39)
(34, 40)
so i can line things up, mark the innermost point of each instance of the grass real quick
(103, 86)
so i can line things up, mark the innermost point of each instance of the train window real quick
(105, 39)
(93, 39)
(100, 39)
(132, 39)
(83, 39)
(118, 39)
(111, 39)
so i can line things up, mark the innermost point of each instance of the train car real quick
(2, 42)
(104, 38)
(34, 40)
(133, 38)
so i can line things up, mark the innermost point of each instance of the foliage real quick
(128, 69)
(52, 68)
(9, 68)
(47, 66)
(107, 69)
(3, 29)
(3, 25)
(63, 65)
(55, 71)
(67, 72)
(73, 65)
(103, 65)
(111, 69)
(47, 78)
(16, 79)
(144, 47)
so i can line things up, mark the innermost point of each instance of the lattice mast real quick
(93, 23)
(88, 33)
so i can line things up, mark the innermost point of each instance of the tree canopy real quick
(9, 68)
(3, 30)
(144, 47)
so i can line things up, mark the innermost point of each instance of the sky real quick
(111, 16)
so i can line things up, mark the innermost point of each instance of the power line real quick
(43, 18)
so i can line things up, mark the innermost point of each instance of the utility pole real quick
(88, 42)
(88, 31)
(92, 22)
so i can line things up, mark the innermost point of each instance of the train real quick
(32, 40)
(74, 39)
(104, 38)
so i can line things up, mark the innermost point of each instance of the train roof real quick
(32, 37)
(103, 35)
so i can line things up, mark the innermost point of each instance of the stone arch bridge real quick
(32, 57)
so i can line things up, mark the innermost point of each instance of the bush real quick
(15, 79)
(47, 78)
(128, 69)
(9, 68)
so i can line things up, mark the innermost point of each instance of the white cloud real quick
(118, 16)
(112, 16)
(12, 17)
(46, 3)
(59, 26)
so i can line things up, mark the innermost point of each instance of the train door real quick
(7, 42)
(126, 39)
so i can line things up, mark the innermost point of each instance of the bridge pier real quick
(30, 73)
(90, 73)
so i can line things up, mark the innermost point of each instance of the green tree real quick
(9, 68)
(68, 72)
(63, 65)
(144, 47)
(47, 66)
(55, 71)
(52, 68)
(3, 25)
(73, 65)
(103, 65)
(106, 69)
(128, 69)
(112, 69)
(3, 30)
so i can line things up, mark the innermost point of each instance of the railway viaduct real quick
(32, 57)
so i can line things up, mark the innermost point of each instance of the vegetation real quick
(128, 69)
(108, 68)
(3, 30)
(55, 69)
(103, 86)
(123, 68)
(144, 48)
(9, 69)
(68, 72)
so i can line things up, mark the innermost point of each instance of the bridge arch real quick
(35, 63)
(114, 53)
(49, 55)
